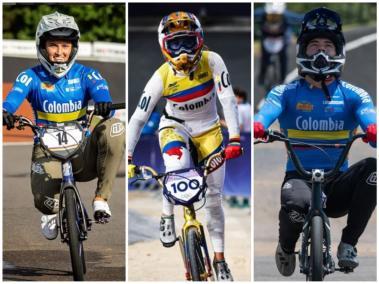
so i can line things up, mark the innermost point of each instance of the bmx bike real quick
(315, 257)
(273, 46)
(185, 187)
(62, 141)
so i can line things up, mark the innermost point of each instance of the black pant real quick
(352, 192)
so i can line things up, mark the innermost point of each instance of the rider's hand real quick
(103, 109)
(370, 134)
(8, 120)
(131, 168)
(233, 149)
(259, 130)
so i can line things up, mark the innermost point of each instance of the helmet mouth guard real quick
(321, 64)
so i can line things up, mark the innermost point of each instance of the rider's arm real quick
(21, 89)
(272, 107)
(96, 86)
(225, 93)
(364, 109)
(150, 97)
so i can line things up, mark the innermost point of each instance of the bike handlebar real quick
(213, 163)
(272, 135)
(24, 121)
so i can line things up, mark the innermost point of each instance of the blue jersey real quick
(57, 100)
(306, 115)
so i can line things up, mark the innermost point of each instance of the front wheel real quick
(316, 256)
(195, 256)
(75, 242)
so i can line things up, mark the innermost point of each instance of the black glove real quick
(8, 120)
(103, 109)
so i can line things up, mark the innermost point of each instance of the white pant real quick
(213, 208)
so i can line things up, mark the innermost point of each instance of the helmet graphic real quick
(181, 40)
(321, 23)
(57, 26)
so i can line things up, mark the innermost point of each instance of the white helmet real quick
(277, 8)
(57, 26)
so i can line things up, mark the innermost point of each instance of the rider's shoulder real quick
(212, 57)
(32, 71)
(351, 89)
(163, 70)
(285, 89)
(83, 69)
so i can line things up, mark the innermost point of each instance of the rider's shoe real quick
(167, 231)
(222, 270)
(347, 256)
(101, 211)
(285, 262)
(49, 226)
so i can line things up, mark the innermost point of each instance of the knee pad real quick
(46, 204)
(295, 199)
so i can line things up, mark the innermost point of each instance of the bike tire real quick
(195, 255)
(316, 256)
(75, 243)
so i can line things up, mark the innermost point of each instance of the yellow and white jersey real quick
(190, 98)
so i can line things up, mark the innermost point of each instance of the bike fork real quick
(69, 181)
(206, 253)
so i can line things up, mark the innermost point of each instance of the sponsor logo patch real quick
(296, 217)
(310, 123)
(51, 203)
(47, 86)
(287, 185)
(37, 168)
(304, 106)
(202, 75)
(117, 129)
(371, 180)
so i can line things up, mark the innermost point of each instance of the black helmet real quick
(321, 23)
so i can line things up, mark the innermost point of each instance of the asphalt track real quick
(28, 256)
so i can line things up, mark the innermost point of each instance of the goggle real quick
(322, 19)
(182, 42)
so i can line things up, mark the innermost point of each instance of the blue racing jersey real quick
(306, 115)
(57, 99)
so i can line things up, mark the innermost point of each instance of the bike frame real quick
(317, 178)
(316, 209)
(189, 214)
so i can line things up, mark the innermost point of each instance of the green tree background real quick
(97, 22)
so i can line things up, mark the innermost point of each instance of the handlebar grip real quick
(118, 106)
